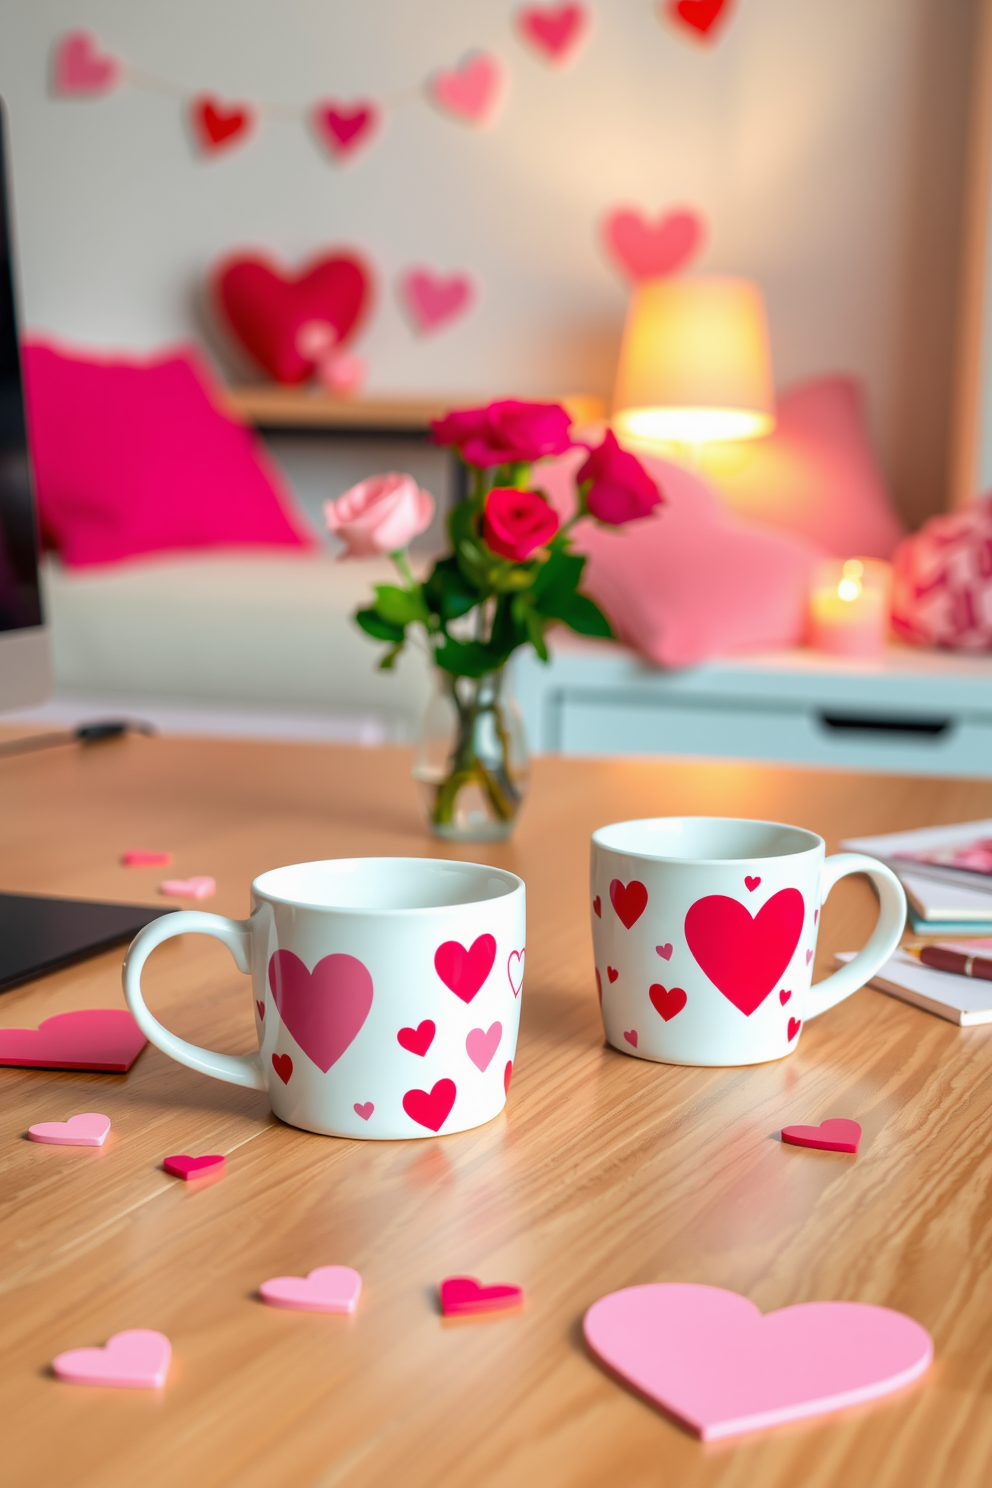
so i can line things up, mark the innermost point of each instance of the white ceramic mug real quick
(704, 931)
(386, 990)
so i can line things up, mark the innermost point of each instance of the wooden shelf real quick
(268, 406)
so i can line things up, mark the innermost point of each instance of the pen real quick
(956, 962)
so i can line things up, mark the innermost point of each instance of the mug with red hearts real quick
(704, 930)
(386, 991)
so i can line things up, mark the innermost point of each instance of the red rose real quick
(505, 433)
(516, 523)
(621, 488)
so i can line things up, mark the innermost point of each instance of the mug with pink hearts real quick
(704, 930)
(386, 991)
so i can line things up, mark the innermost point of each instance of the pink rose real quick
(379, 515)
(621, 489)
(505, 433)
(516, 523)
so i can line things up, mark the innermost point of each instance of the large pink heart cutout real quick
(710, 1359)
(745, 957)
(323, 1009)
(271, 312)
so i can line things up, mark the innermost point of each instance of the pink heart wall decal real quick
(515, 970)
(342, 128)
(745, 957)
(88, 1130)
(323, 1009)
(431, 1108)
(481, 1045)
(629, 900)
(710, 1359)
(325, 1289)
(137, 1359)
(90, 1038)
(464, 971)
(141, 857)
(80, 69)
(472, 91)
(553, 31)
(650, 250)
(431, 300)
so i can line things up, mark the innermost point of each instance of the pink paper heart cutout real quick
(709, 1358)
(481, 1045)
(631, 1037)
(323, 1009)
(744, 957)
(628, 900)
(515, 970)
(665, 951)
(417, 1040)
(342, 128)
(80, 69)
(139, 857)
(88, 1130)
(182, 1166)
(365, 1111)
(431, 1108)
(464, 971)
(836, 1135)
(650, 250)
(90, 1038)
(136, 1359)
(471, 91)
(325, 1289)
(462, 1296)
(555, 31)
(202, 886)
(431, 300)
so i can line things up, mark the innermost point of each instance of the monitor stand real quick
(39, 934)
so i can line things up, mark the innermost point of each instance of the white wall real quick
(793, 134)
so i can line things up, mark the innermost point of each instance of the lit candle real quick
(849, 608)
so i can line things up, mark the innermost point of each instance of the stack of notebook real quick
(965, 1000)
(946, 872)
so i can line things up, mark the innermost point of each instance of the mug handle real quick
(236, 935)
(884, 938)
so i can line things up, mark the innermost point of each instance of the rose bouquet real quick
(511, 573)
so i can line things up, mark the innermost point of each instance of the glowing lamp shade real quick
(694, 363)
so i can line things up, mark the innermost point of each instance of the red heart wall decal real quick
(464, 971)
(554, 31)
(323, 1009)
(745, 957)
(431, 1108)
(216, 125)
(649, 250)
(342, 128)
(629, 900)
(266, 309)
(699, 16)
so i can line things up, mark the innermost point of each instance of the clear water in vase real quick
(471, 763)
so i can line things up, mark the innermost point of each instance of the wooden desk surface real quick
(603, 1172)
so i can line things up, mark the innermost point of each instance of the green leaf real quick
(381, 630)
(466, 658)
(399, 606)
(559, 576)
(580, 614)
(448, 592)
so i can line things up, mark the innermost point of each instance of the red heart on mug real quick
(417, 1040)
(629, 900)
(464, 971)
(631, 1037)
(794, 1026)
(507, 1074)
(431, 1108)
(612, 973)
(283, 1066)
(323, 1009)
(743, 956)
(667, 1001)
(597, 905)
(267, 309)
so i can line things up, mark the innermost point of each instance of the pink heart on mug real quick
(710, 1359)
(325, 1289)
(433, 299)
(481, 1044)
(137, 1359)
(323, 1009)
(80, 69)
(745, 956)
(365, 1111)
(471, 91)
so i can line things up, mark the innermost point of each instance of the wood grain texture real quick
(272, 406)
(604, 1171)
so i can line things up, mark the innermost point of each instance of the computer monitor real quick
(25, 665)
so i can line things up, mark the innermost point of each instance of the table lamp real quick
(695, 364)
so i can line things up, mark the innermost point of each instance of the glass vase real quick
(471, 762)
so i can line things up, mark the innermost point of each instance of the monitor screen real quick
(20, 601)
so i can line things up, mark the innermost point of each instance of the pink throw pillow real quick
(815, 476)
(135, 457)
(942, 581)
(691, 580)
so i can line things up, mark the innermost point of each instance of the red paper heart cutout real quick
(794, 1026)
(631, 1038)
(323, 1009)
(462, 1295)
(342, 128)
(629, 900)
(599, 987)
(90, 1038)
(751, 884)
(699, 15)
(182, 1166)
(417, 1040)
(784, 996)
(555, 31)
(745, 957)
(507, 1076)
(665, 951)
(283, 1066)
(431, 1108)
(597, 905)
(667, 1001)
(612, 973)
(651, 250)
(837, 1135)
(217, 125)
(464, 971)
(365, 1111)
(266, 309)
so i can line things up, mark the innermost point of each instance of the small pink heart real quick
(326, 1289)
(809, 957)
(837, 1135)
(140, 858)
(137, 1359)
(554, 31)
(181, 1166)
(784, 996)
(80, 69)
(612, 973)
(665, 951)
(260, 1007)
(472, 91)
(431, 300)
(794, 1026)
(751, 883)
(651, 250)
(88, 1130)
(481, 1045)
(631, 1037)
(200, 887)
(515, 970)
(364, 1111)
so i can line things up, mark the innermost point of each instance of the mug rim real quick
(514, 883)
(814, 840)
